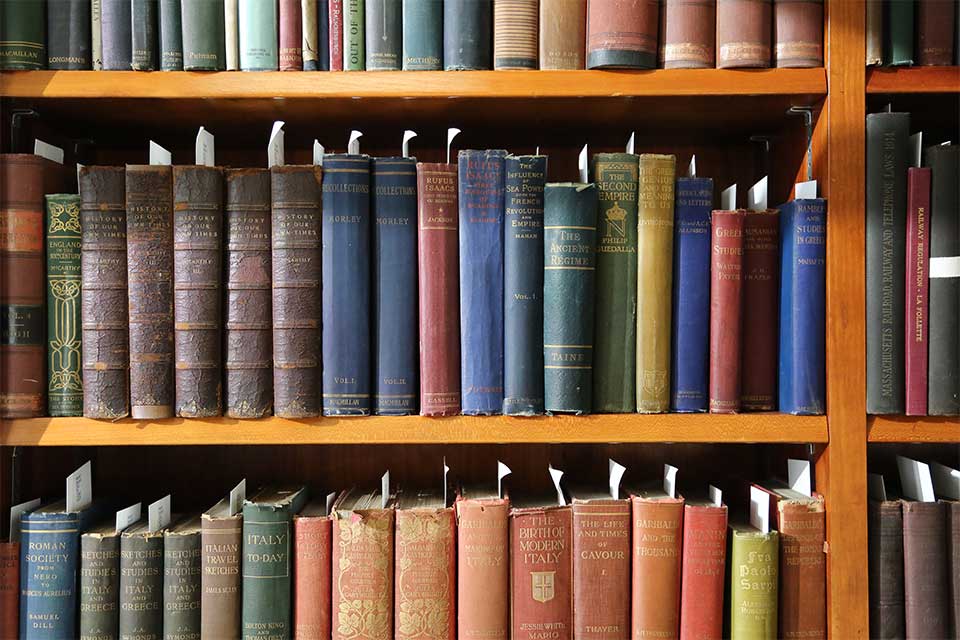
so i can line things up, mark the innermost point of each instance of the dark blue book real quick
(691, 296)
(323, 35)
(396, 332)
(422, 35)
(346, 285)
(481, 281)
(467, 35)
(525, 177)
(803, 274)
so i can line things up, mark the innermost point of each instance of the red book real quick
(312, 531)
(483, 566)
(657, 544)
(918, 272)
(291, 36)
(801, 521)
(9, 589)
(702, 575)
(726, 266)
(336, 35)
(761, 285)
(439, 289)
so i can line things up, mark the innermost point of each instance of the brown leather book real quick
(425, 574)
(248, 361)
(760, 289)
(953, 565)
(885, 563)
(149, 194)
(743, 33)
(563, 33)
(515, 30)
(798, 33)
(198, 264)
(935, 30)
(688, 33)
(295, 227)
(312, 536)
(103, 292)
(657, 545)
(622, 34)
(483, 563)
(220, 551)
(925, 569)
(702, 572)
(9, 589)
(291, 35)
(726, 270)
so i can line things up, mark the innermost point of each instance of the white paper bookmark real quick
(916, 149)
(204, 149)
(615, 472)
(502, 472)
(915, 479)
(452, 133)
(126, 517)
(692, 167)
(556, 475)
(715, 495)
(446, 472)
(631, 141)
(353, 145)
(158, 514)
(728, 198)
(408, 135)
(159, 155)
(805, 190)
(670, 480)
(318, 152)
(48, 151)
(16, 515)
(876, 489)
(331, 499)
(385, 489)
(582, 165)
(238, 495)
(275, 145)
(799, 476)
(757, 195)
(760, 509)
(946, 481)
(80, 488)
(79, 168)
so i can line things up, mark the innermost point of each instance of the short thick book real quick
(68, 34)
(702, 570)
(22, 35)
(483, 563)
(885, 560)
(726, 278)
(290, 42)
(221, 542)
(422, 35)
(258, 21)
(898, 33)
(563, 26)
(312, 534)
(688, 34)
(916, 311)
(657, 523)
(744, 30)
(384, 35)
(622, 34)
(754, 579)
(9, 589)
(116, 40)
(204, 45)
(760, 282)
(935, 30)
(100, 582)
(798, 33)
(515, 34)
(145, 33)
(181, 580)
(141, 582)
(171, 36)
(925, 590)
(467, 34)
(353, 35)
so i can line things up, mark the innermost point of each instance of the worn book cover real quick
(145, 34)
(422, 35)
(68, 35)
(898, 32)
(483, 563)
(688, 34)
(754, 582)
(290, 42)
(171, 35)
(221, 540)
(257, 21)
(467, 34)
(622, 34)
(181, 579)
(726, 277)
(312, 535)
(885, 562)
(204, 45)
(22, 36)
(309, 22)
(384, 35)
(9, 589)
(563, 26)
(744, 29)
(116, 40)
(925, 590)
(657, 521)
(702, 572)
(515, 34)
(141, 582)
(760, 282)
(798, 33)
(64, 384)
(935, 31)
(353, 35)
(100, 582)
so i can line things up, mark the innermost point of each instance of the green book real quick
(23, 43)
(353, 35)
(615, 324)
(898, 48)
(64, 384)
(754, 576)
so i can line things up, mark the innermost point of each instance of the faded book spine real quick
(335, 28)
(203, 35)
(563, 34)
(221, 541)
(116, 40)
(22, 35)
(384, 35)
(754, 562)
(145, 34)
(290, 43)
(515, 34)
(744, 30)
(885, 564)
(702, 572)
(49, 562)
(622, 34)
(257, 22)
(726, 274)
(601, 570)
(422, 35)
(483, 561)
(655, 567)
(425, 575)
(760, 281)
(171, 36)
(354, 54)
(688, 34)
(267, 570)
(541, 583)
(181, 586)
(9, 589)
(803, 570)
(68, 34)
(874, 33)
(924, 569)
(363, 575)
(798, 33)
(96, 35)
(99, 586)
(309, 42)
(467, 34)
(323, 35)
(935, 30)
(916, 338)
(953, 564)
(311, 577)
(141, 586)
(231, 34)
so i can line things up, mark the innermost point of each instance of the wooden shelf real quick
(913, 429)
(913, 80)
(758, 427)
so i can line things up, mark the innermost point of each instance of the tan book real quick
(563, 26)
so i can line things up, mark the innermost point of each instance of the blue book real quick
(323, 35)
(346, 285)
(481, 281)
(523, 285)
(803, 274)
(691, 296)
(396, 332)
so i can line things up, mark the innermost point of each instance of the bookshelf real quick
(921, 80)
(945, 429)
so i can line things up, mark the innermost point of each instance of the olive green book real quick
(354, 47)
(754, 578)
(64, 384)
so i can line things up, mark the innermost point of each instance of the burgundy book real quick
(702, 570)
(798, 33)
(336, 35)
(935, 29)
(656, 564)
(291, 36)
(483, 563)
(917, 303)
(743, 33)
(312, 536)
(925, 591)
(622, 34)
(761, 311)
(438, 238)
(9, 589)
(726, 267)
(688, 35)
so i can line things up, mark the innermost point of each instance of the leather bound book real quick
(64, 385)
(100, 583)
(346, 286)
(655, 199)
(68, 34)
(953, 564)
(198, 266)
(615, 317)
(483, 565)
(257, 21)
(515, 32)
(916, 311)
(384, 35)
(439, 275)
(290, 41)
(204, 47)
(141, 583)
(798, 33)
(760, 282)
(569, 239)
(743, 33)
(9, 589)
(525, 177)
(925, 590)
(309, 45)
(886, 257)
(481, 202)
(22, 36)
(353, 35)
(103, 306)
(754, 562)
(145, 34)
(885, 561)
(688, 34)
(874, 33)
(231, 34)
(149, 194)
(335, 28)
(248, 361)
(323, 36)
(702, 570)
(171, 36)
(116, 39)
(898, 32)
(425, 574)
(563, 26)
(422, 35)
(622, 34)
(656, 563)
(221, 539)
(467, 34)
(396, 366)
(181, 580)
(726, 273)
(312, 535)
(295, 258)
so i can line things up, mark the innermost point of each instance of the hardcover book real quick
(657, 521)
(483, 562)
(68, 34)
(422, 35)
(563, 26)
(917, 320)
(885, 561)
(22, 35)
(290, 40)
(144, 31)
(515, 34)
(726, 276)
(467, 34)
(688, 34)
(9, 589)
(64, 384)
(935, 31)
(312, 534)
(96, 34)
(100, 582)
(181, 580)
(323, 36)
(221, 541)
(754, 562)
(116, 39)
(335, 35)
(875, 11)
(384, 35)
(760, 280)
(798, 33)
(171, 35)
(622, 34)
(953, 564)
(743, 33)
(353, 35)
(257, 21)
(898, 32)
(925, 589)
(309, 41)
(141, 583)
(231, 34)
(703, 562)
(204, 44)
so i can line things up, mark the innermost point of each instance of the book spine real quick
(657, 543)
(257, 21)
(953, 564)
(622, 34)
(944, 369)
(743, 33)
(116, 38)
(267, 565)
(103, 291)
(803, 575)
(760, 281)
(688, 34)
(309, 44)
(885, 564)
(563, 27)
(726, 273)
(541, 583)
(96, 35)
(702, 573)
(601, 570)
(336, 35)
(803, 318)
(615, 341)
(68, 35)
(346, 286)
(49, 558)
(467, 34)
(689, 364)
(323, 35)
(439, 280)
(483, 561)
(99, 587)
(481, 280)
(149, 193)
(295, 258)
(220, 540)
(354, 53)
(874, 33)
(569, 238)
(515, 32)
(144, 32)
(181, 586)
(924, 569)
(248, 363)
(524, 179)
(9, 589)
(898, 32)
(311, 577)
(425, 578)
(754, 562)
(363, 575)
(886, 256)
(204, 47)
(422, 35)
(935, 30)
(798, 33)
(396, 365)
(384, 35)
(141, 586)
(291, 35)
(171, 36)
(231, 34)
(23, 42)
(64, 385)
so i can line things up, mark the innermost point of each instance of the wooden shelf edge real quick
(913, 80)
(913, 429)
(744, 428)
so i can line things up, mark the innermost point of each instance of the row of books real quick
(913, 32)
(390, 286)
(412, 35)
(913, 271)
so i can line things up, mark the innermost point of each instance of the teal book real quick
(899, 34)
(171, 37)
(422, 35)
(23, 27)
(353, 35)
(64, 385)
(204, 46)
(258, 35)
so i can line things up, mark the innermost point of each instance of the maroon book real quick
(918, 271)
(702, 577)
(336, 35)
(726, 271)
(291, 37)
(935, 28)
(761, 283)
